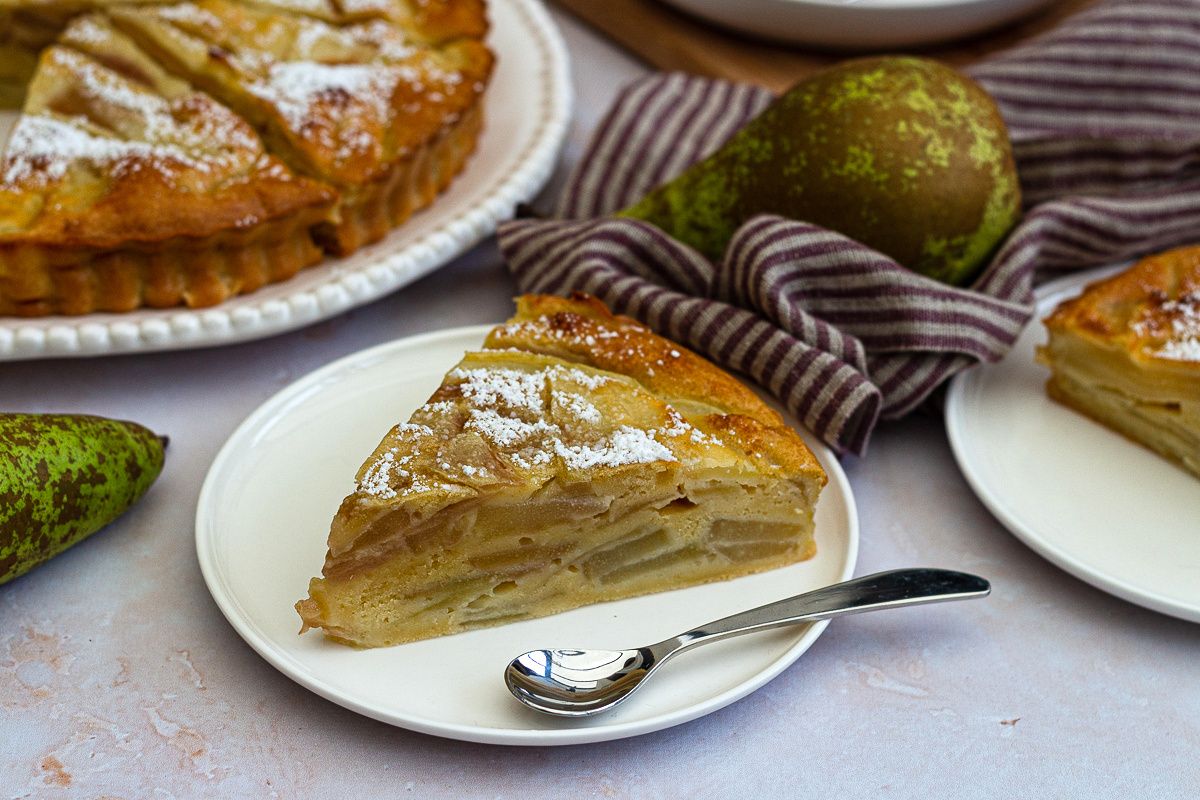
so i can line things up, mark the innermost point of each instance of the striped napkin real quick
(1104, 113)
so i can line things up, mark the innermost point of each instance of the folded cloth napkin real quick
(1104, 113)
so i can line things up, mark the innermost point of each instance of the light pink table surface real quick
(119, 677)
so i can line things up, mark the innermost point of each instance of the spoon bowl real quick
(578, 683)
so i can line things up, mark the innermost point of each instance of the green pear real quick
(902, 154)
(64, 477)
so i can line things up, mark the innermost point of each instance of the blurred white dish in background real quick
(860, 24)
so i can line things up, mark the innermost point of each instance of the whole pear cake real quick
(183, 153)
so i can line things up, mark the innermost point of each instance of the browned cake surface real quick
(577, 458)
(377, 111)
(1126, 352)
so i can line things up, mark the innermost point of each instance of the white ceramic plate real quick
(861, 24)
(527, 109)
(261, 526)
(1104, 509)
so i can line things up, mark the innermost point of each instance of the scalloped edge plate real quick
(261, 526)
(527, 111)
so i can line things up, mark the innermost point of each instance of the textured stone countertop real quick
(120, 678)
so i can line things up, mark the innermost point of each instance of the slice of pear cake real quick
(577, 458)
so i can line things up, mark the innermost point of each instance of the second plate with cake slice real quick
(1101, 506)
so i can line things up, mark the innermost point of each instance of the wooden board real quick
(670, 40)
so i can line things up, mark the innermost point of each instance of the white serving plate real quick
(261, 527)
(527, 109)
(1104, 509)
(860, 24)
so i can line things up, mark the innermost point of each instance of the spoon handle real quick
(894, 589)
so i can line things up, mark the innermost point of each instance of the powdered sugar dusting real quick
(625, 445)
(392, 468)
(1184, 344)
(151, 135)
(1177, 324)
(389, 44)
(508, 431)
(86, 30)
(377, 480)
(529, 418)
(104, 90)
(577, 405)
(296, 88)
(189, 14)
(325, 88)
(315, 36)
(43, 148)
(339, 86)
(487, 388)
(541, 328)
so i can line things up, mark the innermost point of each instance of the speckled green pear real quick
(64, 477)
(903, 154)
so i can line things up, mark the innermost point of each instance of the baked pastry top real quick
(181, 153)
(1126, 352)
(109, 171)
(353, 105)
(577, 458)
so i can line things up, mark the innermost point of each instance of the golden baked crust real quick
(385, 116)
(1126, 352)
(127, 188)
(577, 458)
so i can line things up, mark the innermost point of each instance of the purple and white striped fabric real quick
(1104, 113)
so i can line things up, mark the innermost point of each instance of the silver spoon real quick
(580, 683)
